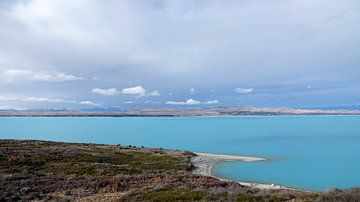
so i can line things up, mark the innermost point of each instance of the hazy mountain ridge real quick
(216, 111)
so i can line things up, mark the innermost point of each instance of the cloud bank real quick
(45, 100)
(47, 76)
(163, 48)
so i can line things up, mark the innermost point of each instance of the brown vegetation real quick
(38, 170)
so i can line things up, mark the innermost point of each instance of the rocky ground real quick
(53, 171)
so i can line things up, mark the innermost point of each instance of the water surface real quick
(309, 152)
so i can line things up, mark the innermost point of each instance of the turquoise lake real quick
(308, 152)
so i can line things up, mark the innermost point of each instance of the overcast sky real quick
(167, 53)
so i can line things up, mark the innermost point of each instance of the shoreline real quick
(175, 112)
(204, 164)
(170, 115)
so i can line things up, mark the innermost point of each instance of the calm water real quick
(310, 152)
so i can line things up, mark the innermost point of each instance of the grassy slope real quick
(65, 171)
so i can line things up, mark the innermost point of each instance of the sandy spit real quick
(204, 164)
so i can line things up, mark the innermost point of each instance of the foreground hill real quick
(39, 170)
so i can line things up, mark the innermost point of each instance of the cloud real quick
(151, 102)
(244, 90)
(187, 102)
(8, 99)
(154, 93)
(47, 76)
(139, 91)
(89, 103)
(95, 78)
(210, 102)
(191, 102)
(169, 46)
(192, 90)
(106, 92)
(45, 100)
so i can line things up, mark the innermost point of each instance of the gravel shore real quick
(204, 164)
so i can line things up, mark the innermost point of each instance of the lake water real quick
(309, 152)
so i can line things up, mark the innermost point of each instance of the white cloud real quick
(154, 93)
(211, 102)
(35, 99)
(8, 99)
(106, 92)
(45, 100)
(192, 90)
(244, 90)
(9, 107)
(191, 102)
(139, 91)
(48, 76)
(151, 102)
(89, 103)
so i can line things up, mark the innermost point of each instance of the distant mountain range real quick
(338, 107)
(216, 111)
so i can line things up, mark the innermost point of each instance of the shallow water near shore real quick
(308, 152)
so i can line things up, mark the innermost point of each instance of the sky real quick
(173, 53)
